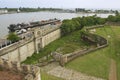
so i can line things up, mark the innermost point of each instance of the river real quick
(7, 19)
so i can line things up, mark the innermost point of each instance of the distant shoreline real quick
(57, 12)
(14, 17)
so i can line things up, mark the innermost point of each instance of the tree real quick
(70, 25)
(99, 20)
(13, 37)
(111, 18)
(116, 13)
(66, 27)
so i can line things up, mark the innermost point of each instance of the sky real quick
(109, 4)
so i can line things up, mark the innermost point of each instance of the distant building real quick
(3, 11)
(80, 10)
(93, 10)
(18, 10)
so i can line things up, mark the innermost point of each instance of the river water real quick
(7, 19)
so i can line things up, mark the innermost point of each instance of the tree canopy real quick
(70, 25)
(13, 37)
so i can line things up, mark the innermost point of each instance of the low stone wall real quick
(83, 52)
(62, 59)
(92, 27)
(31, 72)
(45, 60)
(113, 23)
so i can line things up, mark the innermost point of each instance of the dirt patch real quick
(112, 73)
(7, 75)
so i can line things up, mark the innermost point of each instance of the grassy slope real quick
(114, 45)
(97, 63)
(117, 49)
(65, 44)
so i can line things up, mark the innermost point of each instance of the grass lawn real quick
(95, 64)
(114, 46)
(117, 49)
(98, 63)
(45, 76)
(65, 44)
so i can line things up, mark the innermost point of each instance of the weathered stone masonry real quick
(42, 36)
(30, 72)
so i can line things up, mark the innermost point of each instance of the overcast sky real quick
(112, 4)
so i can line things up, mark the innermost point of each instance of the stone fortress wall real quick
(41, 36)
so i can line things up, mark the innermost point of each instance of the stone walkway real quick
(113, 73)
(68, 74)
(50, 66)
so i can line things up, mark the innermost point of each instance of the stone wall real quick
(113, 23)
(30, 72)
(93, 27)
(62, 59)
(48, 38)
(18, 52)
(22, 49)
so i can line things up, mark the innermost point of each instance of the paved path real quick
(113, 73)
(68, 74)
(50, 66)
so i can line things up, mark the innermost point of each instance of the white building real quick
(18, 10)
(3, 11)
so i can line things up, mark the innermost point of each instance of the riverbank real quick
(37, 11)
(7, 19)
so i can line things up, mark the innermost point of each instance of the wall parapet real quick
(14, 46)
(31, 72)
(41, 36)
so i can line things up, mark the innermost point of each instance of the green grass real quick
(98, 63)
(95, 64)
(66, 44)
(116, 55)
(114, 46)
(46, 76)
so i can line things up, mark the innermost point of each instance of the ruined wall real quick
(30, 72)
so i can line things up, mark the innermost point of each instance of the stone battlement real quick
(30, 72)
